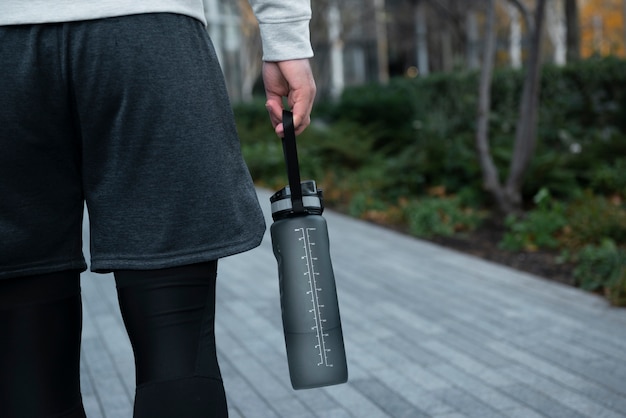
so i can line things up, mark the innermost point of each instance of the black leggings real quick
(169, 315)
(40, 325)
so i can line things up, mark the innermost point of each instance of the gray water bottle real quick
(308, 295)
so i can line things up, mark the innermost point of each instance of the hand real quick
(292, 79)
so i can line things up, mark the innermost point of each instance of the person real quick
(122, 105)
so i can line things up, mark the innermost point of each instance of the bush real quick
(387, 112)
(422, 131)
(379, 150)
(603, 268)
(610, 178)
(591, 219)
(540, 228)
(440, 216)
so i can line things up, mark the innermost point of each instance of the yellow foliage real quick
(602, 28)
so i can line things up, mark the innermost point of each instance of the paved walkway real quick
(429, 333)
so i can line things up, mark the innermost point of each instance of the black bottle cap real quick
(312, 201)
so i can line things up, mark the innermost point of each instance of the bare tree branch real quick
(526, 132)
(526, 14)
(491, 177)
(446, 11)
(572, 20)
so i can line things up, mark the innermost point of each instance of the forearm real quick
(284, 26)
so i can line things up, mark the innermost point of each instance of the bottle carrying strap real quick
(291, 161)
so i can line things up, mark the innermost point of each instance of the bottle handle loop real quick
(290, 152)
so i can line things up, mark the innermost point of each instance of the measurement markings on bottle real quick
(314, 291)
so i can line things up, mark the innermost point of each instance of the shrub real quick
(592, 219)
(379, 150)
(421, 133)
(440, 216)
(610, 178)
(540, 228)
(387, 112)
(602, 267)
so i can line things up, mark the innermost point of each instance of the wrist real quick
(286, 41)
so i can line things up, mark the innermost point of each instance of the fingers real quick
(276, 87)
(274, 107)
(292, 79)
(302, 91)
(301, 117)
(300, 123)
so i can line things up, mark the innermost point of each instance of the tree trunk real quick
(526, 15)
(598, 36)
(381, 41)
(515, 40)
(250, 51)
(526, 133)
(557, 30)
(473, 56)
(250, 67)
(336, 50)
(624, 19)
(447, 56)
(421, 33)
(491, 180)
(572, 23)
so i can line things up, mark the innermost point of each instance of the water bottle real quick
(308, 295)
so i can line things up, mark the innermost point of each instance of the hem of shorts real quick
(106, 265)
(42, 268)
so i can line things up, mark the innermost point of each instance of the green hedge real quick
(404, 153)
(422, 132)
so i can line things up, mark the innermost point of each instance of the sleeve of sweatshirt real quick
(284, 28)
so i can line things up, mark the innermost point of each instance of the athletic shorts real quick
(130, 115)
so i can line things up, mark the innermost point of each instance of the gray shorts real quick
(131, 116)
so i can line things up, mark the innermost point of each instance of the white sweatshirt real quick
(284, 23)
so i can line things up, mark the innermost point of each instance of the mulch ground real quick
(484, 241)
